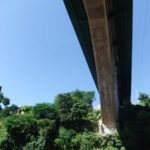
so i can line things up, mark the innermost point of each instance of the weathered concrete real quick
(104, 30)
(105, 61)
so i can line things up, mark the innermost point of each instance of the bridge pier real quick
(104, 30)
(105, 62)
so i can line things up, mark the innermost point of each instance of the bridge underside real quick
(104, 30)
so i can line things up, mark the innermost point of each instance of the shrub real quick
(20, 128)
(63, 141)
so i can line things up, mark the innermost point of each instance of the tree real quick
(45, 139)
(1, 95)
(63, 142)
(25, 109)
(4, 100)
(44, 110)
(73, 109)
(47, 129)
(5, 113)
(74, 105)
(13, 108)
(86, 97)
(69, 123)
(144, 99)
(64, 104)
(21, 129)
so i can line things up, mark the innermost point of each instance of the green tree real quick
(144, 99)
(1, 95)
(69, 123)
(21, 129)
(86, 97)
(5, 113)
(4, 100)
(63, 142)
(13, 108)
(74, 105)
(44, 110)
(47, 129)
(45, 138)
(25, 109)
(64, 104)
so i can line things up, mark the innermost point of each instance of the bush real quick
(69, 139)
(47, 129)
(63, 142)
(6, 143)
(20, 129)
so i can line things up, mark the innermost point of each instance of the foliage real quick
(35, 144)
(4, 100)
(66, 124)
(144, 99)
(25, 109)
(135, 126)
(47, 130)
(44, 110)
(5, 141)
(86, 141)
(64, 139)
(94, 116)
(71, 124)
(7, 111)
(74, 106)
(13, 108)
(69, 139)
(21, 128)
(45, 138)
(112, 141)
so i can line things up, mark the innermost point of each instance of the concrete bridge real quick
(104, 30)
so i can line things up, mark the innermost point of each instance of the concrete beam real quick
(105, 62)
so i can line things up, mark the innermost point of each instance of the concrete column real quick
(105, 62)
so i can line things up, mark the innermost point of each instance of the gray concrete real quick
(104, 30)
(105, 61)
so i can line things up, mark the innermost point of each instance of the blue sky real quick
(141, 48)
(40, 55)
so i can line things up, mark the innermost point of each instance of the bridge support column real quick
(105, 62)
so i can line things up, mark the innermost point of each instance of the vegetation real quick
(135, 124)
(4, 100)
(70, 123)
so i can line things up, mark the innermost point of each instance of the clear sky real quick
(40, 55)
